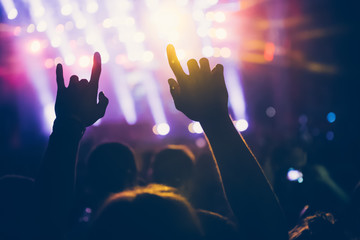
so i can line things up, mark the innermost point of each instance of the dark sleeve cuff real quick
(65, 126)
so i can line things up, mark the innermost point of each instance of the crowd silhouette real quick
(222, 195)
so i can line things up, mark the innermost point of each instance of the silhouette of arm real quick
(76, 108)
(202, 96)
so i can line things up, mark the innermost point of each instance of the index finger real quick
(60, 77)
(96, 70)
(174, 62)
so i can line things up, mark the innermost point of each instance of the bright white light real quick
(92, 7)
(49, 63)
(66, 10)
(30, 28)
(202, 31)
(294, 175)
(163, 129)
(12, 14)
(219, 17)
(105, 57)
(41, 26)
(225, 52)
(58, 60)
(208, 51)
(217, 52)
(182, 2)
(70, 59)
(148, 56)
(60, 28)
(181, 54)
(212, 2)
(241, 125)
(107, 23)
(49, 116)
(198, 15)
(55, 41)
(80, 23)
(210, 16)
(139, 37)
(84, 61)
(35, 46)
(39, 11)
(197, 128)
(221, 33)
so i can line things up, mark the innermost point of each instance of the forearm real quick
(248, 191)
(55, 182)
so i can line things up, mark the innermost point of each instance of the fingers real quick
(218, 73)
(73, 83)
(96, 70)
(102, 105)
(174, 62)
(204, 65)
(60, 77)
(193, 67)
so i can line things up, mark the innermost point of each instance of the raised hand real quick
(200, 95)
(79, 99)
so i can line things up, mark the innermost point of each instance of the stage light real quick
(200, 142)
(225, 52)
(181, 54)
(58, 60)
(12, 14)
(10, 9)
(41, 26)
(219, 17)
(236, 96)
(107, 23)
(331, 117)
(17, 31)
(208, 51)
(295, 175)
(55, 41)
(202, 31)
(148, 56)
(80, 23)
(35, 46)
(221, 33)
(212, 32)
(84, 61)
(92, 7)
(191, 127)
(197, 128)
(70, 59)
(139, 37)
(210, 16)
(60, 28)
(182, 2)
(198, 15)
(217, 52)
(163, 129)
(49, 115)
(39, 11)
(30, 28)
(270, 112)
(241, 125)
(49, 63)
(67, 9)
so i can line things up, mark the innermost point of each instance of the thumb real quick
(102, 105)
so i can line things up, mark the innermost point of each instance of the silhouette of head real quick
(151, 212)
(318, 227)
(173, 166)
(111, 168)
